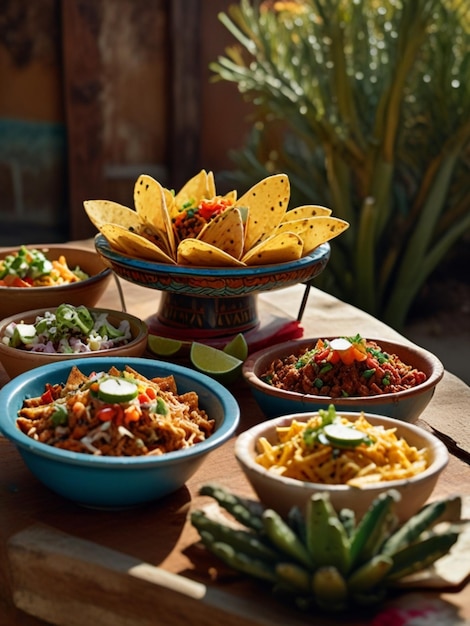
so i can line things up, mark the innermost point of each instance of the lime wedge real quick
(214, 362)
(163, 346)
(237, 347)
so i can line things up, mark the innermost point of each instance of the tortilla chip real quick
(299, 226)
(150, 204)
(321, 229)
(267, 204)
(103, 212)
(134, 245)
(74, 379)
(226, 232)
(305, 211)
(210, 185)
(279, 248)
(195, 252)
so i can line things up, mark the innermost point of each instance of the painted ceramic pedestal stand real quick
(212, 305)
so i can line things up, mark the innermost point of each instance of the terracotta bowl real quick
(16, 361)
(405, 405)
(87, 292)
(282, 493)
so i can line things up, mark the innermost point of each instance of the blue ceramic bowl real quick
(100, 481)
(406, 405)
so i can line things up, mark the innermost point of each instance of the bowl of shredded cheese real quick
(32, 276)
(115, 432)
(352, 456)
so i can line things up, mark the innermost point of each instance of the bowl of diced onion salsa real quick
(378, 375)
(31, 276)
(48, 335)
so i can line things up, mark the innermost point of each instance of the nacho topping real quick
(193, 216)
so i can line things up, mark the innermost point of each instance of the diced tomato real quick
(322, 356)
(47, 397)
(210, 208)
(151, 393)
(14, 281)
(333, 357)
(106, 414)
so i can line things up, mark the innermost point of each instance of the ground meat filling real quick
(320, 370)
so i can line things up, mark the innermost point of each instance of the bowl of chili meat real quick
(354, 373)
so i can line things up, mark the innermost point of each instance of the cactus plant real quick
(365, 105)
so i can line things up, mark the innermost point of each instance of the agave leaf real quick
(373, 97)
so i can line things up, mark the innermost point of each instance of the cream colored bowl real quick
(282, 493)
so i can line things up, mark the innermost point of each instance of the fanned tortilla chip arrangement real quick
(197, 227)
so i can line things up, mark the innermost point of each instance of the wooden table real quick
(68, 565)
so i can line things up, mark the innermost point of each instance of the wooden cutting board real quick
(69, 581)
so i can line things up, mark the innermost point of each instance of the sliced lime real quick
(115, 390)
(163, 346)
(341, 435)
(237, 347)
(214, 362)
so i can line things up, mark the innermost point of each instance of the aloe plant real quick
(366, 106)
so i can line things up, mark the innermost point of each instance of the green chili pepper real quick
(326, 368)
(162, 407)
(59, 416)
(110, 331)
(74, 317)
(382, 357)
(368, 373)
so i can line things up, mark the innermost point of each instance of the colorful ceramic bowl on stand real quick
(201, 303)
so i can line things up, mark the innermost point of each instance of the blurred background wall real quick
(94, 93)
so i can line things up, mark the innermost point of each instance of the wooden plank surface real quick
(55, 554)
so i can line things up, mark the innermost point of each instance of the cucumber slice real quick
(345, 436)
(116, 390)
